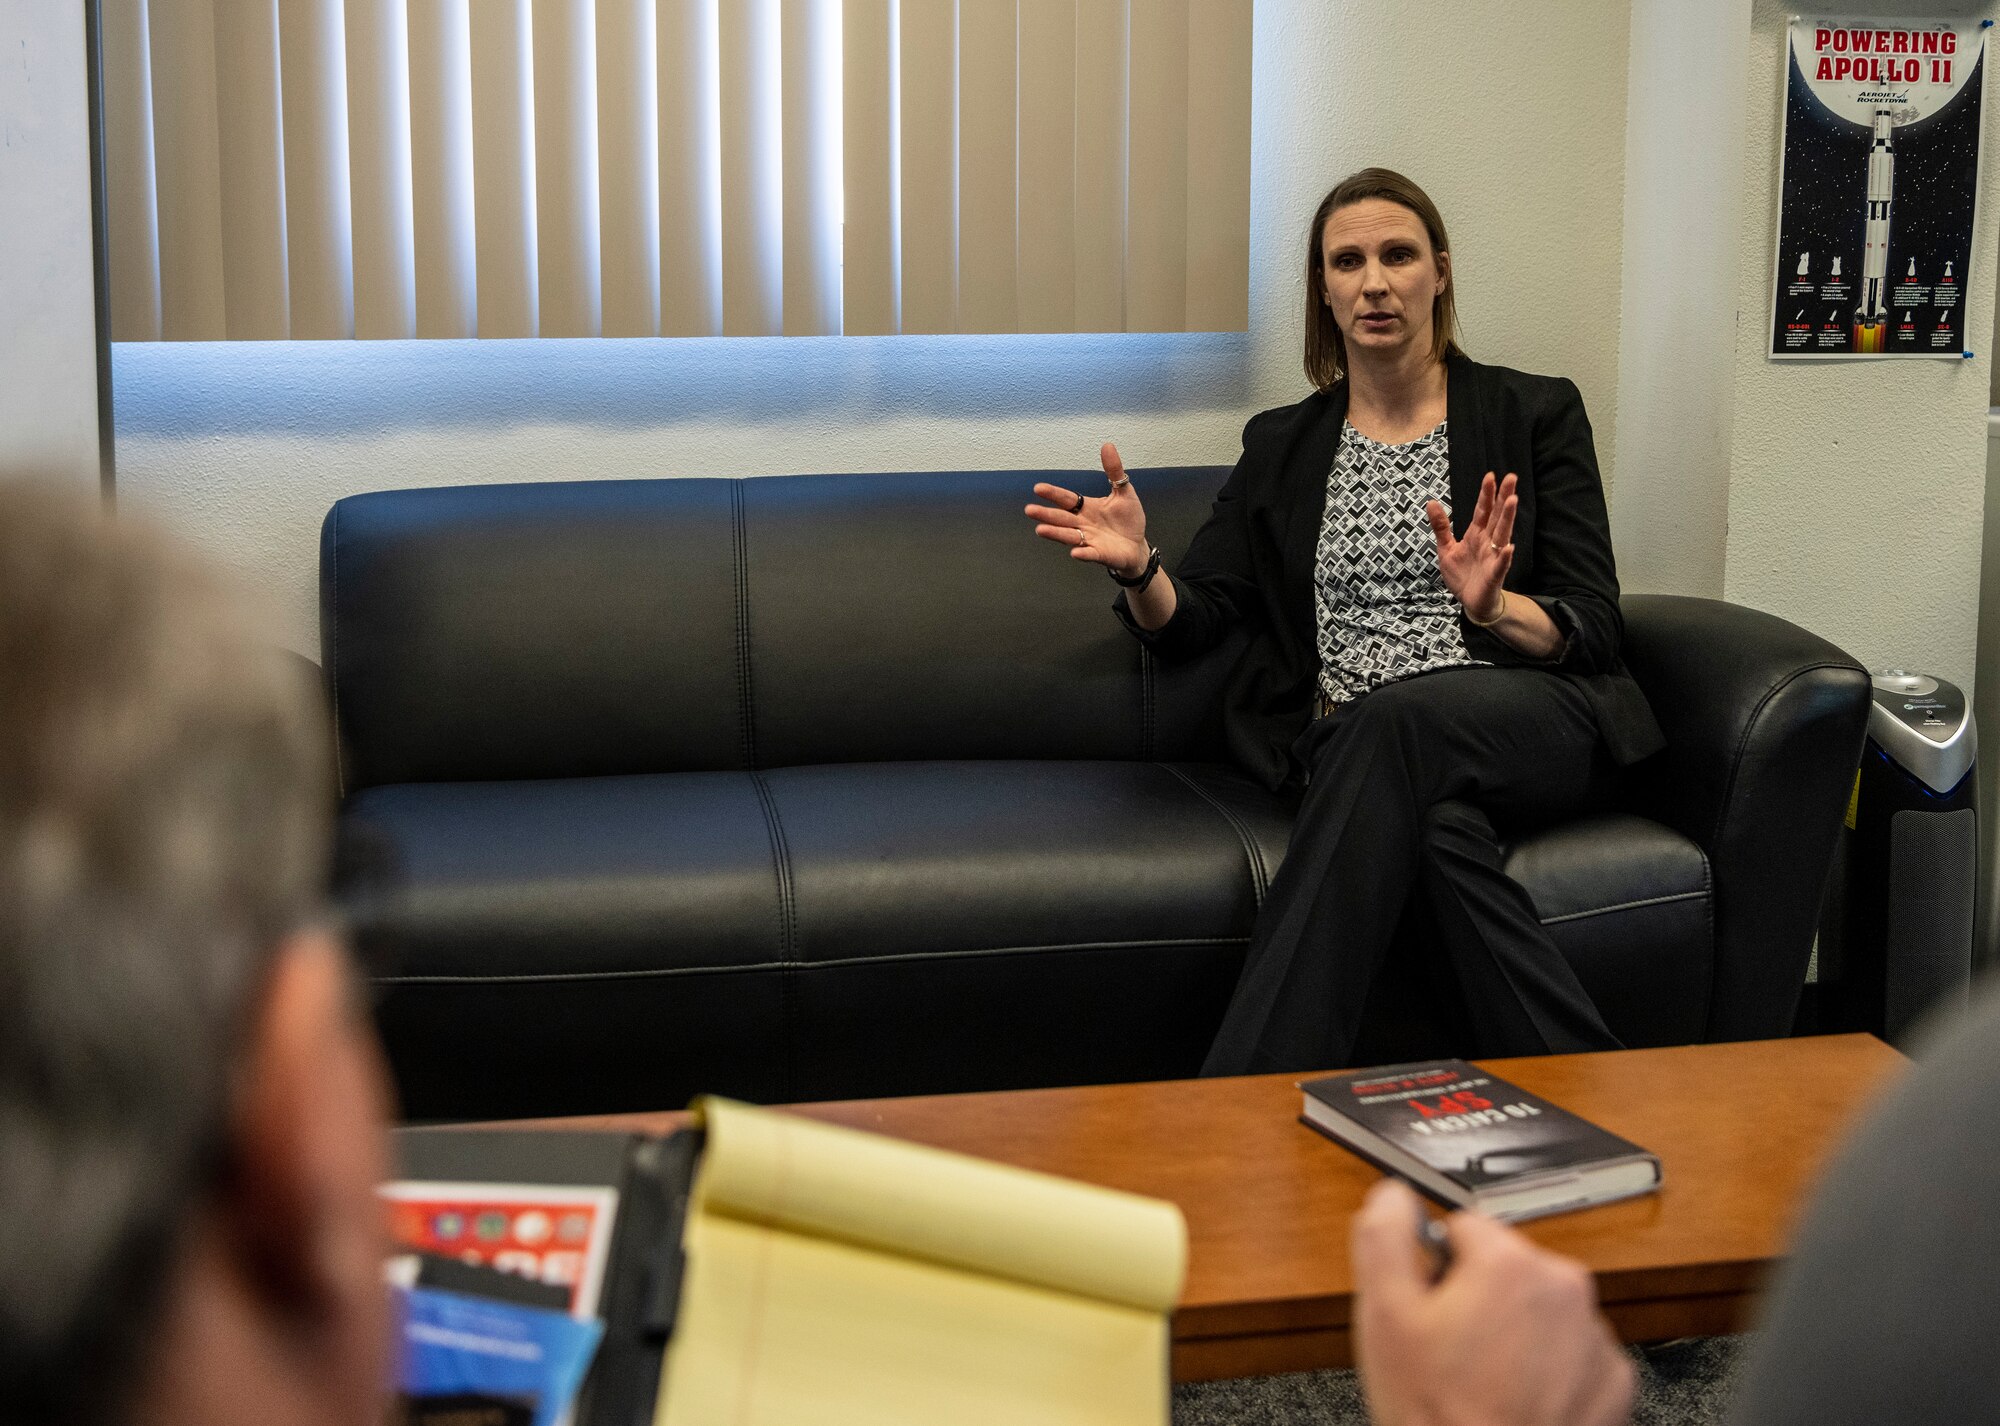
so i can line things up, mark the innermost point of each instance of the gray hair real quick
(164, 820)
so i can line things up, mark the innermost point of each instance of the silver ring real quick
(1121, 482)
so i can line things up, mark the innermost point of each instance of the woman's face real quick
(1381, 277)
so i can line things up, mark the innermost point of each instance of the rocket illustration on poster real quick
(1881, 179)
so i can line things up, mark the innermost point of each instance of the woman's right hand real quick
(1107, 529)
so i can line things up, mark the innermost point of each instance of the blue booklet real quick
(524, 1358)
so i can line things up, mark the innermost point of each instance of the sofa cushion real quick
(1066, 915)
(1629, 903)
(569, 629)
(985, 858)
(602, 876)
(518, 631)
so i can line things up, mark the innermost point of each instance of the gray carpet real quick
(1681, 1384)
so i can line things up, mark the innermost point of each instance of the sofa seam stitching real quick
(677, 971)
(739, 548)
(787, 918)
(782, 860)
(331, 674)
(1640, 904)
(1259, 878)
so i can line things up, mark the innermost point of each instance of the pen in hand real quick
(1435, 1239)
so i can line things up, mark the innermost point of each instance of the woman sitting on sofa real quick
(1436, 651)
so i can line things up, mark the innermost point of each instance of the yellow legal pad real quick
(838, 1277)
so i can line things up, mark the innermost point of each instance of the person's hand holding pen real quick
(1493, 1332)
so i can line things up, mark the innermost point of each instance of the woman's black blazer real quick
(1253, 560)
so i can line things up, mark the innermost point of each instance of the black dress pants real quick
(1407, 783)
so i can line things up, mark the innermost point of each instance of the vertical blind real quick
(628, 168)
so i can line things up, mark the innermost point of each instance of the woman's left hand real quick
(1475, 566)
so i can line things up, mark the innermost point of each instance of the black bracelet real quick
(1140, 580)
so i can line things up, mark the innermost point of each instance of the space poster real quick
(1881, 173)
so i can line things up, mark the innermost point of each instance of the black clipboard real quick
(641, 1294)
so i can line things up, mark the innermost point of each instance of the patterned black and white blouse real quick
(1383, 610)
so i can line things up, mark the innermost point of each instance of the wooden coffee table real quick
(1741, 1131)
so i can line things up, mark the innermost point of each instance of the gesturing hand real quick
(1510, 1336)
(1107, 529)
(1475, 566)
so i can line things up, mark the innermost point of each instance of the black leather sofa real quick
(825, 786)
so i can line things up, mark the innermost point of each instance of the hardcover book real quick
(1469, 1139)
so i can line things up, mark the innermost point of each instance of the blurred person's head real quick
(191, 1102)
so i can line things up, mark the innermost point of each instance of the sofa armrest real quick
(1764, 725)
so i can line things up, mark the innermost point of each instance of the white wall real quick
(1856, 489)
(48, 333)
(1516, 127)
(1676, 400)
